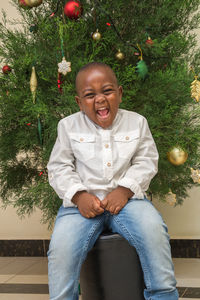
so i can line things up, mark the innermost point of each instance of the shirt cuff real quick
(69, 195)
(133, 186)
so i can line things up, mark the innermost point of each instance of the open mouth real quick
(103, 112)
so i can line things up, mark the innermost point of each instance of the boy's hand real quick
(116, 199)
(89, 205)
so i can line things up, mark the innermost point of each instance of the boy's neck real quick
(99, 127)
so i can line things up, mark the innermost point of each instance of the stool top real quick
(108, 235)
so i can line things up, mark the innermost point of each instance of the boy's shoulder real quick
(70, 120)
(131, 115)
(71, 117)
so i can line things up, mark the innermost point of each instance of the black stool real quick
(112, 271)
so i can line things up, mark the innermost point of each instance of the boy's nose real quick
(100, 98)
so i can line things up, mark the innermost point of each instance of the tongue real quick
(103, 112)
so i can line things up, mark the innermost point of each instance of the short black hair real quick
(92, 65)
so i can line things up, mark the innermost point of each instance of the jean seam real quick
(85, 250)
(142, 260)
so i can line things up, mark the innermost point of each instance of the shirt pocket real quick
(83, 146)
(127, 143)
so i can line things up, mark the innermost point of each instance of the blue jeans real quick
(138, 222)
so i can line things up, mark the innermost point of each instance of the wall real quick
(183, 221)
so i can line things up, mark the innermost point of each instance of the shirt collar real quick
(114, 123)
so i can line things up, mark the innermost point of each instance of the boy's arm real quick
(144, 164)
(61, 170)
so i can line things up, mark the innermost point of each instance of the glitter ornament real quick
(33, 3)
(73, 9)
(195, 174)
(6, 69)
(64, 67)
(177, 156)
(33, 83)
(96, 36)
(170, 198)
(195, 89)
(119, 55)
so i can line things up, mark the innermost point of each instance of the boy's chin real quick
(105, 121)
(104, 125)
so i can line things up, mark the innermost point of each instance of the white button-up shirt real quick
(88, 157)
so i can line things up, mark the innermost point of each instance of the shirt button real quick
(106, 146)
(81, 139)
(127, 138)
(109, 164)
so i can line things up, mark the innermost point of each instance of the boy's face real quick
(99, 95)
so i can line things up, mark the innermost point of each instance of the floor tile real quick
(32, 271)
(5, 278)
(18, 265)
(40, 267)
(187, 272)
(43, 279)
(5, 261)
(24, 288)
(23, 297)
(188, 282)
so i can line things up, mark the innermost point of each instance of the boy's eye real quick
(90, 95)
(108, 91)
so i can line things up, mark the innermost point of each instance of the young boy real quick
(101, 165)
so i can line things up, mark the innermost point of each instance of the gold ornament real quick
(33, 3)
(177, 156)
(119, 55)
(195, 174)
(170, 198)
(33, 83)
(195, 89)
(96, 36)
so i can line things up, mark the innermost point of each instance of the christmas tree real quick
(152, 49)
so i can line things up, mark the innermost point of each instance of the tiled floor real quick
(25, 278)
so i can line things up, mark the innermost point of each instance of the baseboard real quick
(24, 247)
(179, 247)
(185, 248)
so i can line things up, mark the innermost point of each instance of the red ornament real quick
(149, 41)
(59, 82)
(73, 9)
(6, 69)
(22, 3)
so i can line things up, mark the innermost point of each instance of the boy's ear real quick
(78, 101)
(120, 92)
